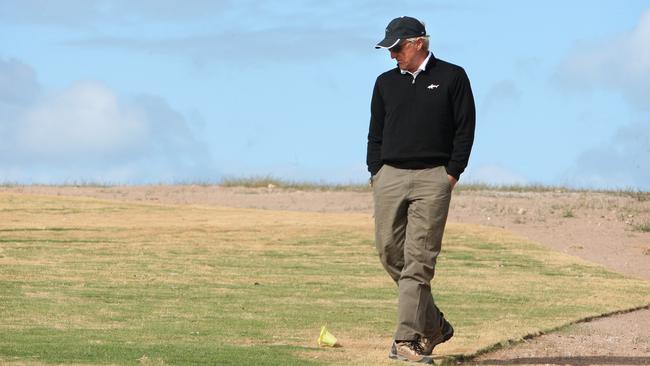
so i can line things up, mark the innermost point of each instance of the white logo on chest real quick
(433, 86)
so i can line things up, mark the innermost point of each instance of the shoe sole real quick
(425, 360)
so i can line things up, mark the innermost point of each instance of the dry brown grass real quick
(188, 264)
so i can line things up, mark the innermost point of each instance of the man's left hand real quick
(452, 181)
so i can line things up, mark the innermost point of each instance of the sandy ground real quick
(599, 227)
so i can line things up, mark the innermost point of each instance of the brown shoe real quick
(428, 343)
(409, 351)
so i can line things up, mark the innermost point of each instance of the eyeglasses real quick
(398, 47)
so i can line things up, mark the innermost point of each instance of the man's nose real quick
(393, 55)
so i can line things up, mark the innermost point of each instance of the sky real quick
(141, 92)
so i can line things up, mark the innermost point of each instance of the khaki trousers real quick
(411, 207)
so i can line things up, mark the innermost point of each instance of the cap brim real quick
(388, 43)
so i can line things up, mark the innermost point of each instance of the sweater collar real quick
(431, 61)
(426, 65)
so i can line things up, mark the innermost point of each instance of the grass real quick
(100, 282)
(568, 213)
(643, 227)
(270, 181)
(265, 181)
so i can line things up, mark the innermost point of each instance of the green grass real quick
(568, 213)
(99, 282)
(116, 347)
(643, 227)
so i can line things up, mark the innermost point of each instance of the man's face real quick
(405, 54)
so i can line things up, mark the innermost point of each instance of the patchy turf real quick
(87, 281)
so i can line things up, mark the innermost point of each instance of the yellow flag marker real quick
(326, 339)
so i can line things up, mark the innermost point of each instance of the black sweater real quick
(423, 123)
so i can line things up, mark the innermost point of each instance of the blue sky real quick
(180, 91)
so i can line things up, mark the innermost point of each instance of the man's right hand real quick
(452, 181)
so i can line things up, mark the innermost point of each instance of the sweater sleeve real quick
(375, 133)
(464, 123)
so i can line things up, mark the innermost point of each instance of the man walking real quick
(420, 137)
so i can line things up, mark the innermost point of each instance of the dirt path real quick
(617, 340)
(605, 228)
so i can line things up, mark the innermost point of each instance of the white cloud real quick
(617, 64)
(620, 63)
(286, 43)
(623, 162)
(496, 174)
(86, 119)
(86, 132)
(204, 31)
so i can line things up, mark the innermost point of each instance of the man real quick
(420, 138)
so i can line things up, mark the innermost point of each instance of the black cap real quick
(401, 28)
